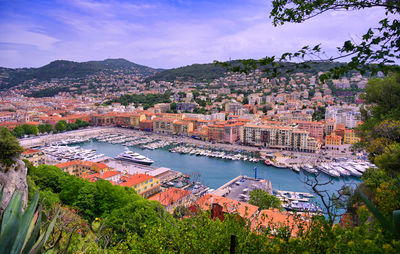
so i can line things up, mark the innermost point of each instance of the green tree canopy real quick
(18, 131)
(9, 147)
(60, 126)
(45, 128)
(263, 199)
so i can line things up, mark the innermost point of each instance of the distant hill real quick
(209, 72)
(63, 68)
(194, 72)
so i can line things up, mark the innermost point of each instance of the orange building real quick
(216, 132)
(81, 168)
(275, 219)
(172, 198)
(228, 205)
(146, 125)
(34, 156)
(9, 125)
(333, 140)
(144, 185)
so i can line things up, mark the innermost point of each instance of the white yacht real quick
(128, 155)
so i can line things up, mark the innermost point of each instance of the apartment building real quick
(347, 115)
(82, 168)
(129, 120)
(173, 198)
(333, 140)
(34, 156)
(233, 108)
(330, 126)
(163, 125)
(281, 137)
(350, 137)
(182, 127)
(314, 128)
(144, 185)
(106, 119)
(294, 116)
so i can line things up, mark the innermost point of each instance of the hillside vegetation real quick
(63, 69)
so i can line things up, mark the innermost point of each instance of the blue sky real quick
(162, 34)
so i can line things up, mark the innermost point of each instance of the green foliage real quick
(147, 100)
(18, 131)
(60, 126)
(123, 209)
(30, 129)
(391, 226)
(9, 147)
(263, 199)
(372, 178)
(319, 113)
(20, 230)
(195, 72)
(199, 234)
(131, 224)
(45, 128)
(390, 159)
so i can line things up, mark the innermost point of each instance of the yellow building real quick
(144, 185)
(333, 140)
(81, 168)
(34, 156)
(130, 120)
(163, 125)
(350, 137)
(182, 128)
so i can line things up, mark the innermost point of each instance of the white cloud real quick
(19, 34)
(160, 35)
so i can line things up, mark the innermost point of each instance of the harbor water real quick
(215, 172)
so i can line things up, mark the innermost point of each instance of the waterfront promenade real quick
(290, 157)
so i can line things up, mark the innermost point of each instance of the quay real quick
(240, 187)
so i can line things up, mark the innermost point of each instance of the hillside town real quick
(296, 113)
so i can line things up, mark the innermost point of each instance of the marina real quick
(206, 168)
(147, 141)
(214, 172)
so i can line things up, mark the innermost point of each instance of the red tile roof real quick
(170, 196)
(30, 151)
(135, 179)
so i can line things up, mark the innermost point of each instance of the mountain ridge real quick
(65, 68)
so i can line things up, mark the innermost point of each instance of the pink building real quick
(231, 132)
(316, 129)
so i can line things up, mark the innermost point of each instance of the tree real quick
(30, 129)
(9, 147)
(384, 94)
(319, 113)
(60, 126)
(48, 128)
(45, 128)
(173, 107)
(263, 199)
(18, 132)
(377, 48)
